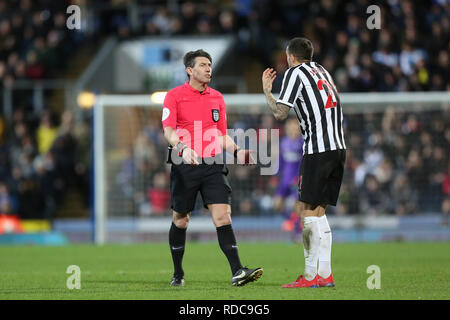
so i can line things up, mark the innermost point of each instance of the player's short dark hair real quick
(301, 48)
(189, 58)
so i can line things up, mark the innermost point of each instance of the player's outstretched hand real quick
(268, 77)
(246, 157)
(190, 156)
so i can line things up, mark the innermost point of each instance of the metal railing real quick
(37, 89)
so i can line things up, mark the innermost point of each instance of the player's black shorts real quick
(187, 180)
(321, 177)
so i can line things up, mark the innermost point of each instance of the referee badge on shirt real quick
(215, 115)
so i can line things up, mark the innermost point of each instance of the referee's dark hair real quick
(301, 48)
(189, 58)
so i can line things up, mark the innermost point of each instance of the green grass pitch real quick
(408, 271)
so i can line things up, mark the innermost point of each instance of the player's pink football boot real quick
(328, 282)
(301, 282)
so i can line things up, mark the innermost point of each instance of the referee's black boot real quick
(177, 281)
(246, 275)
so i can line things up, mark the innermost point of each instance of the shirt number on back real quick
(324, 85)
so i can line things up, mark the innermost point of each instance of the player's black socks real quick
(227, 242)
(177, 241)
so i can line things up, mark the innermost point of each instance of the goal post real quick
(125, 162)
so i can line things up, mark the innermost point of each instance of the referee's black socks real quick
(177, 241)
(227, 242)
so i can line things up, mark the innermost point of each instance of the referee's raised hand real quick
(190, 156)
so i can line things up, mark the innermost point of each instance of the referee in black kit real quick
(195, 126)
(309, 89)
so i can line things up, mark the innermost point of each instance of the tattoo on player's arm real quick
(280, 111)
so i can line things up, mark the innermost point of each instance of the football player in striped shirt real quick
(309, 90)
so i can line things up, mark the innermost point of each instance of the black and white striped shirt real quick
(310, 90)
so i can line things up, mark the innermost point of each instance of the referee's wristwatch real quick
(180, 147)
(236, 151)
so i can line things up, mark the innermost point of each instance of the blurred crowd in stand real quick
(35, 41)
(410, 51)
(42, 153)
(397, 163)
(40, 159)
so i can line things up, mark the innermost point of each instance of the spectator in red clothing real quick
(35, 69)
(159, 195)
(446, 183)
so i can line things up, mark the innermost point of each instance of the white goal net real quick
(397, 160)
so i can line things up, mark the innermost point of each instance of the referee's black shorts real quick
(187, 180)
(321, 177)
